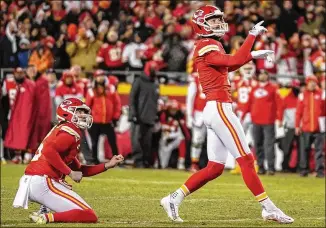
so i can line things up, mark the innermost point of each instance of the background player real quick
(196, 102)
(224, 131)
(242, 89)
(44, 179)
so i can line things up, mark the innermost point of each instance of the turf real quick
(130, 198)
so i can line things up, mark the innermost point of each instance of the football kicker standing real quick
(224, 130)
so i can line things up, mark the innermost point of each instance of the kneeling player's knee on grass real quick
(92, 216)
(87, 216)
(214, 170)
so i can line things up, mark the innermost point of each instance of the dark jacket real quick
(8, 59)
(143, 100)
(287, 22)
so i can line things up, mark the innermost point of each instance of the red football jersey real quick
(213, 66)
(58, 150)
(10, 88)
(243, 89)
(111, 54)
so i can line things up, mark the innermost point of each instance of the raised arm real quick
(237, 60)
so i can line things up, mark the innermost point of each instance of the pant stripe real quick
(231, 129)
(65, 195)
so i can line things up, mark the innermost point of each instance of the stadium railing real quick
(170, 77)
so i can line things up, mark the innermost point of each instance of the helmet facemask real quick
(81, 116)
(216, 24)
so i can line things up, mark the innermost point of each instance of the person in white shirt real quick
(133, 52)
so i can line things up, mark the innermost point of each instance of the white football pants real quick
(51, 194)
(224, 132)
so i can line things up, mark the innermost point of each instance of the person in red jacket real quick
(67, 88)
(42, 109)
(83, 83)
(309, 109)
(104, 101)
(19, 134)
(263, 100)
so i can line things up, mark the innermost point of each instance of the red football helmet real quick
(173, 104)
(98, 73)
(203, 28)
(69, 109)
(113, 80)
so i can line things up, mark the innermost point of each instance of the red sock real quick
(210, 172)
(76, 216)
(182, 149)
(249, 174)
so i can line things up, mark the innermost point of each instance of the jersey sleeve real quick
(218, 58)
(61, 145)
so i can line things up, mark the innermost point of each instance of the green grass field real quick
(130, 198)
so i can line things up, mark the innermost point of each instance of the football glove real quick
(258, 29)
(263, 54)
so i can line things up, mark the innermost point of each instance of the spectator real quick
(8, 46)
(269, 41)
(105, 104)
(61, 58)
(309, 109)
(311, 22)
(83, 83)
(21, 116)
(143, 105)
(66, 88)
(109, 57)
(42, 58)
(286, 65)
(317, 60)
(42, 106)
(174, 54)
(287, 22)
(264, 95)
(286, 118)
(133, 52)
(51, 77)
(23, 53)
(84, 49)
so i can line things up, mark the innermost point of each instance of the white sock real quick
(178, 196)
(267, 204)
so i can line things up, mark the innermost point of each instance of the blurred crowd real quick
(40, 38)
(118, 35)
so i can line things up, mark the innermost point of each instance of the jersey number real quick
(243, 95)
(115, 54)
(40, 148)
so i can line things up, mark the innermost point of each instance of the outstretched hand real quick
(258, 29)
(263, 54)
(115, 160)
